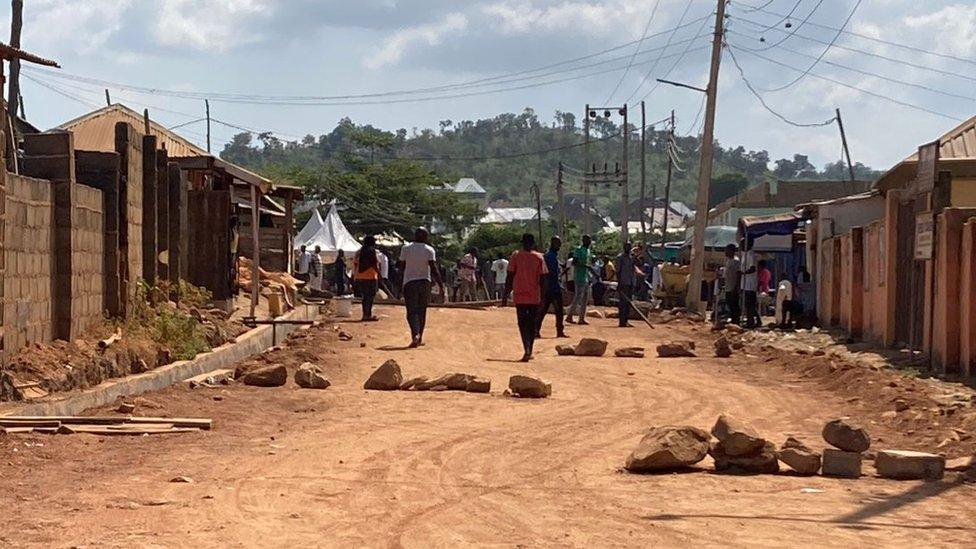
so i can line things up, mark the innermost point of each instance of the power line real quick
(658, 60)
(790, 14)
(851, 86)
(794, 29)
(762, 101)
(823, 53)
(673, 66)
(640, 43)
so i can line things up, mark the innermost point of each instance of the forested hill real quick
(506, 154)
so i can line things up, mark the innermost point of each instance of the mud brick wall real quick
(28, 237)
(87, 258)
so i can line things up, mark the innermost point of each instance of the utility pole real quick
(667, 186)
(643, 153)
(562, 204)
(843, 140)
(586, 167)
(16, 24)
(108, 98)
(538, 209)
(625, 195)
(207, 103)
(693, 300)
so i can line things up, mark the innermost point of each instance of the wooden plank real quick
(189, 422)
(34, 423)
(198, 423)
(13, 430)
(107, 431)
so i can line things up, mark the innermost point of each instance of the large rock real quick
(762, 461)
(310, 376)
(737, 438)
(906, 465)
(676, 349)
(478, 385)
(838, 463)
(669, 447)
(629, 352)
(799, 457)
(412, 383)
(591, 346)
(529, 387)
(565, 350)
(722, 348)
(453, 381)
(267, 376)
(846, 435)
(386, 378)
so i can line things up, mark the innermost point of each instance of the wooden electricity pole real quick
(625, 195)
(693, 300)
(562, 204)
(206, 102)
(667, 185)
(586, 168)
(16, 24)
(643, 180)
(843, 140)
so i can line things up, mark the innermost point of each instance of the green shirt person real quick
(582, 258)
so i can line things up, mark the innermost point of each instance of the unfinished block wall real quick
(87, 262)
(28, 237)
(128, 144)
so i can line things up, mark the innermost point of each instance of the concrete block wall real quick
(946, 309)
(87, 250)
(28, 238)
(128, 144)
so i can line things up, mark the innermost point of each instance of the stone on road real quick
(838, 463)
(386, 378)
(761, 461)
(667, 448)
(565, 350)
(737, 438)
(529, 387)
(267, 376)
(846, 435)
(722, 348)
(799, 457)
(908, 465)
(309, 376)
(676, 349)
(629, 352)
(591, 346)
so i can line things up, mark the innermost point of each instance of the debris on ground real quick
(412, 382)
(799, 457)
(676, 349)
(309, 376)
(529, 387)
(565, 350)
(386, 378)
(344, 336)
(629, 352)
(740, 449)
(102, 425)
(267, 376)
(737, 438)
(595, 313)
(591, 346)
(908, 465)
(182, 480)
(125, 408)
(668, 448)
(211, 379)
(846, 435)
(722, 347)
(839, 463)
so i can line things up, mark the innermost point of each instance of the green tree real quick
(726, 186)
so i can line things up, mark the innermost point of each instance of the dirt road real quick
(346, 467)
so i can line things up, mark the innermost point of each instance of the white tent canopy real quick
(332, 236)
(311, 227)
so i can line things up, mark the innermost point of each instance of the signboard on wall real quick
(927, 171)
(924, 235)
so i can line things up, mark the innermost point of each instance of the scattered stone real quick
(819, 352)
(838, 463)
(386, 378)
(676, 349)
(762, 461)
(964, 463)
(591, 346)
(182, 479)
(453, 381)
(412, 383)
(344, 336)
(437, 388)
(908, 465)
(890, 414)
(738, 345)
(629, 352)
(126, 408)
(595, 313)
(309, 376)
(275, 375)
(722, 348)
(478, 385)
(901, 405)
(529, 387)
(667, 448)
(737, 438)
(565, 350)
(846, 435)
(799, 457)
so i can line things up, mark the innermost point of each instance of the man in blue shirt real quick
(552, 293)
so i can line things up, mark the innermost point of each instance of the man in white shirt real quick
(500, 268)
(418, 263)
(750, 285)
(302, 263)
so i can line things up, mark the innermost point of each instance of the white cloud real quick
(214, 25)
(513, 17)
(431, 34)
(52, 28)
(952, 28)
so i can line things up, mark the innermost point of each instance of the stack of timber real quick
(103, 425)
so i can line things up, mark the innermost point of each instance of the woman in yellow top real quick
(366, 273)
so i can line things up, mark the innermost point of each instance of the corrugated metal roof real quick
(960, 142)
(95, 131)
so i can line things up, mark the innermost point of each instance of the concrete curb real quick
(248, 344)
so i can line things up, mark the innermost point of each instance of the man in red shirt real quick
(526, 271)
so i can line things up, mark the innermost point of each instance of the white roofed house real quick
(510, 215)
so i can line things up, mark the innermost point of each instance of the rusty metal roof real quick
(958, 143)
(9, 52)
(95, 131)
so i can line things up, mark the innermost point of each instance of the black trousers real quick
(751, 301)
(553, 299)
(732, 302)
(528, 318)
(624, 295)
(368, 290)
(416, 295)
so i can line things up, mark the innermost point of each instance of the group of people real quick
(748, 284)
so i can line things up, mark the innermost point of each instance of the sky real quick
(910, 92)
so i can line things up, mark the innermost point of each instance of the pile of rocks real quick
(388, 377)
(849, 441)
(307, 376)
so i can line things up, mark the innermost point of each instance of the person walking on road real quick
(302, 263)
(582, 259)
(628, 275)
(733, 275)
(552, 293)
(418, 263)
(526, 273)
(500, 268)
(468, 273)
(750, 285)
(366, 266)
(316, 273)
(339, 277)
